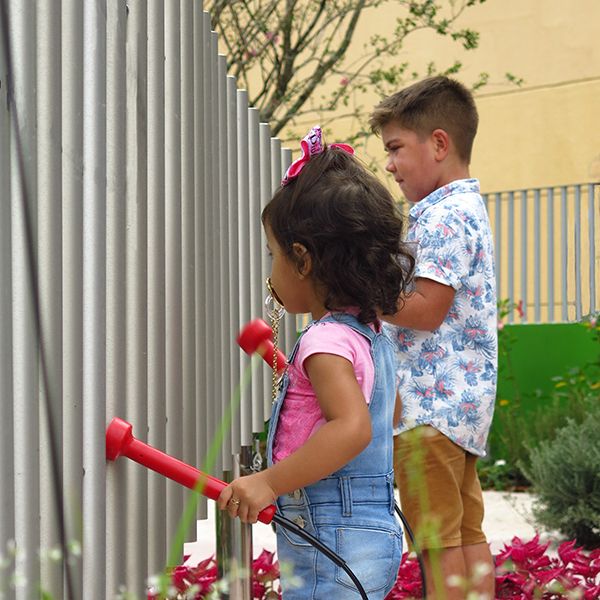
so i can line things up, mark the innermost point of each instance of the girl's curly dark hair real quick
(350, 224)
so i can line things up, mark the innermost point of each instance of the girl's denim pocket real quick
(372, 554)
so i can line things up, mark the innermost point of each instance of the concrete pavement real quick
(507, 514)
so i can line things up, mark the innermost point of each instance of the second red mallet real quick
(257, 336)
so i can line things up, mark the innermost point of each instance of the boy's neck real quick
(448, 176)
(452, 171)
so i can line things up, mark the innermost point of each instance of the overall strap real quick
(353, 322)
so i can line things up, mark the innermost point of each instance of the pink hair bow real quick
(312, 144)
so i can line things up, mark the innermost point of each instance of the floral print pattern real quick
(447, 378)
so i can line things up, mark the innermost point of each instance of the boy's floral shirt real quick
(447, 378)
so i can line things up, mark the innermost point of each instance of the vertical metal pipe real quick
(72, 269)
(50, 276)
(577, 251)
(276, 156)
(7, 472)
(246, 548)
(245, 308)
(256, 283)
(200, 150)
(233, 184)
(188, 256)
(498, 243)
(209, 282)
(232, 541)
(550, 252)
(157, 545)
(564, 254)
(223, 249)
(291, 321)
(24, 376)
(132, 482)
(265, 195)
(241, 537)
(591, 192)
(172, 200)
(524, 254)
(537, 266)
(276, 175)
(216, 300)
(244, 261)
(511, 251)
(116, 159)
(94, 304)
(188, 219)
(226, 529)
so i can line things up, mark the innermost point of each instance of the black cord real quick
(33, 280)
(311, 539)
(418, 552)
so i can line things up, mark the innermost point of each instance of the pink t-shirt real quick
(301, 414)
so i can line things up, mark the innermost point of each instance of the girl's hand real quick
(246, 496)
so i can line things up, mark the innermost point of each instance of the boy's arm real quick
(425, 308)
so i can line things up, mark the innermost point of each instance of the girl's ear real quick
(303, 259)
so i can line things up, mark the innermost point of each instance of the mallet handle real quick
(120, 441)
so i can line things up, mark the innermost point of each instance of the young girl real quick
(334, 235)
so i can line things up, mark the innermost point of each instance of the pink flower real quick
(344, 81)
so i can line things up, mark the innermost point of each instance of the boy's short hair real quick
(433, 103)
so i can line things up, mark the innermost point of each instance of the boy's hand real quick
(246, 496)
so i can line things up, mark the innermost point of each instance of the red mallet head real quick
(257, 336)
(118, 436)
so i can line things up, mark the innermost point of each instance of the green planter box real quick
(539, 352)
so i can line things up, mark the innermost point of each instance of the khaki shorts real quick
(439, 488)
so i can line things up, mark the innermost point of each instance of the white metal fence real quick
(547, 246)
(132, 172)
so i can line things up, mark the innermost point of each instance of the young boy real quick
(447, 337)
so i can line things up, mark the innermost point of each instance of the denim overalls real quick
(351, 511)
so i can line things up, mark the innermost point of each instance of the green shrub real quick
(565, 473)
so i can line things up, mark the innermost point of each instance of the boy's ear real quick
(441, 143)
(303, 259)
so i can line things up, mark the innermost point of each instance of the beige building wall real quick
(546, 132)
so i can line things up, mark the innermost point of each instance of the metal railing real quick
(547, 250)
(141, 171)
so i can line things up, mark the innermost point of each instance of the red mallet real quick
(257, 336)
(120, 441)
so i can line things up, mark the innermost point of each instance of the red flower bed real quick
(524, 571)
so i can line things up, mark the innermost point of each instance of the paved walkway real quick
(506, 515)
